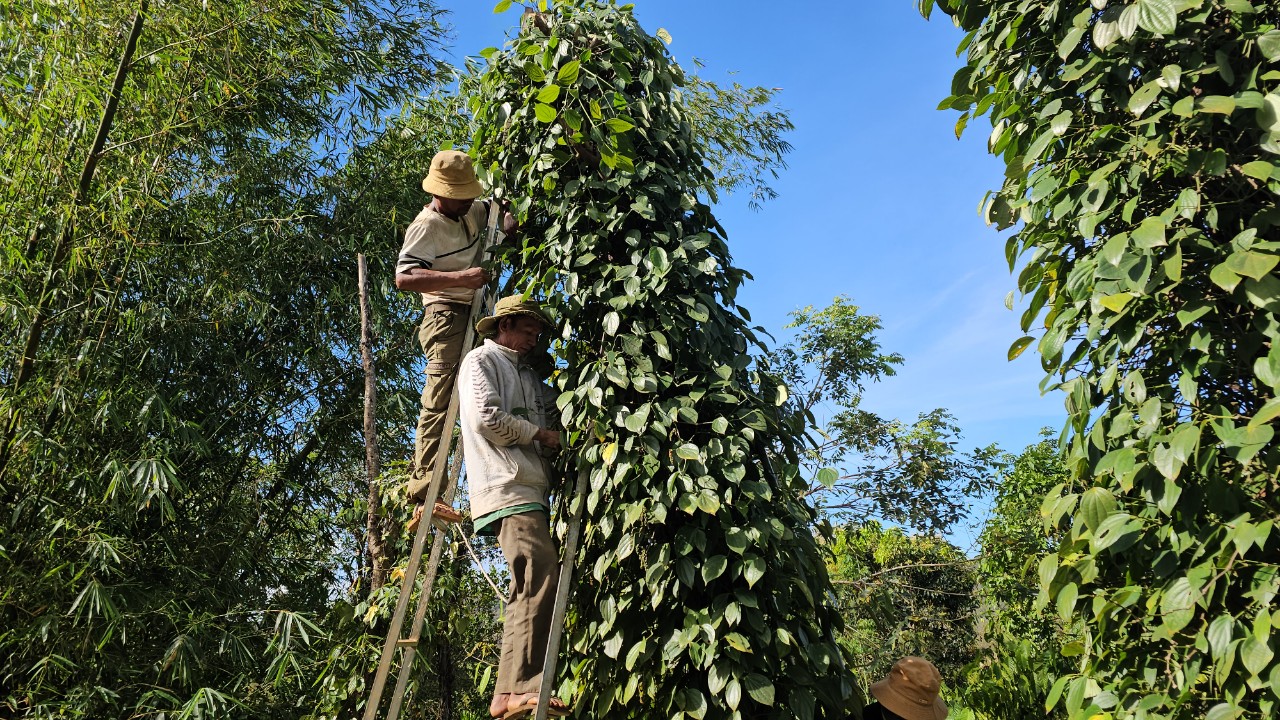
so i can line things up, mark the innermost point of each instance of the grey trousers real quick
(535, 570)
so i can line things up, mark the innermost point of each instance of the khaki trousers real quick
(535, 570)
(440, 334)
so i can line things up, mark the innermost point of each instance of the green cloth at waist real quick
(487, 524)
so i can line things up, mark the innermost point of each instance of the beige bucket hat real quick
(910, 690)
(452, 176)
(507, 307)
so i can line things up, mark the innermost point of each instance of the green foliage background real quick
(1141, 142)
(177, 452)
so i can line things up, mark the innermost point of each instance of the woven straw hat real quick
(508, 307)
(452, 176)
(910, 690)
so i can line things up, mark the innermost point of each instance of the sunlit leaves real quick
(1154, 254)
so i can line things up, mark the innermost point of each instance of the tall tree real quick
(1141, 142)
(1021, 645)
(702, 592)
(903, 595)
(865, 465)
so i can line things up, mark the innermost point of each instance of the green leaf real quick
(1220, 104)
(1269, 412)
(1177, 603)
(1115, 303)
(733, 691)
(1260, 169)
(634, 654)
(1255, 655)
(752, 569)
(1224, 711)
(827, 477)
(1158, 16)
(1117, 533)
(1066, 601)
(549, 94)
(719, 426)
(1070, 42)
(612, 322)
(1019, 345)
(1095, 505)
(618, 125)
(737, 642)
(1252, 264)
(1219, 635)
(759, 688)
(1150, 233)
(544, 113)
(502, 6)
(688, 451)
(713, 567)
(1055, 692)
(663, 35)
(1224, 277)
(1269, 44)
(1142, 99)
(568, 74)
(708, 502)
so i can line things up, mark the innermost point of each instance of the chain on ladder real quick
(394, 639)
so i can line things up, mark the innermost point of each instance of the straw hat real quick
(452, 176)
(508, 307)
(910, 690)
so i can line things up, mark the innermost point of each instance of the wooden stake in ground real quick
(374, 540)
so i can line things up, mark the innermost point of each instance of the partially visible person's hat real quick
(452, 176)
(910, 690)
(508, 307)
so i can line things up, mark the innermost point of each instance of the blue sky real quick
(879, 201)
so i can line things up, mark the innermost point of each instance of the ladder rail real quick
(567, 566)
(393, 640)
(428, 582)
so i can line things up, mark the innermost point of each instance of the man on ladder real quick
(505, 410)
(440, 259)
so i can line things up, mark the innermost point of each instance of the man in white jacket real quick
(505, 411)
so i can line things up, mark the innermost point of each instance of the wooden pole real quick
(375, 542)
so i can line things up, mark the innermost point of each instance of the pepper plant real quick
(701, 589)
(1142, 142)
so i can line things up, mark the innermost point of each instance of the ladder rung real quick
(412, 641)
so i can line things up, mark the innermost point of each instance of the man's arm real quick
(422, 280)
(480, 401)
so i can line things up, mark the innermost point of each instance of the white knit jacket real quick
(502, 403)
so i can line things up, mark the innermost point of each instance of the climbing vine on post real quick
(1142, 142)
(701, 589)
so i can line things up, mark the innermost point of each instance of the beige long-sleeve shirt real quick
(502, 404)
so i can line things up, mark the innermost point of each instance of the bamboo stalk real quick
(26, 363)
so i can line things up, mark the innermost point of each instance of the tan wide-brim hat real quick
(910, 690)
(508, 307)
(452, 176)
